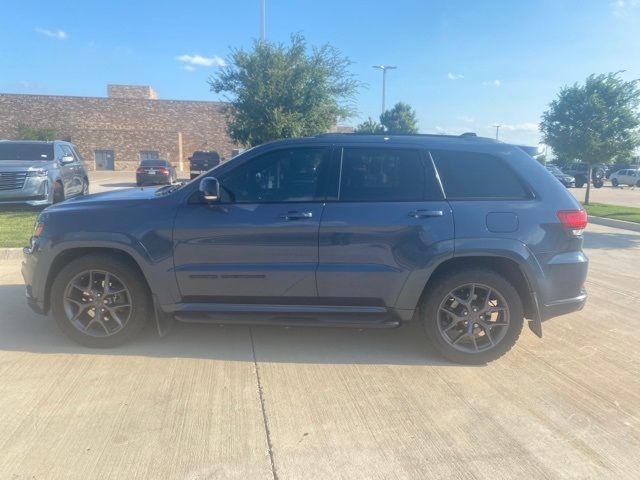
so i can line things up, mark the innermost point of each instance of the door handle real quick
(425, 213)
(296, 215)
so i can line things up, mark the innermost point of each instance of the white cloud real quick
(492, 83)
(200, 61)
(59, 34)
(454, 76)
(619, 6)
(188, 68)
(521, 127)
(466, 119)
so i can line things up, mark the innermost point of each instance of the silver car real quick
(40, 173)
(627, 176)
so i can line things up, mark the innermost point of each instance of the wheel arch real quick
(68, 255)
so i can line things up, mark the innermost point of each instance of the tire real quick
(58, 192)
(615, 182)
(138, 184)
(598, 183)
(121, 275)
(579, 183)
(435, 320)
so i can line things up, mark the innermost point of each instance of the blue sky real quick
(463, 65)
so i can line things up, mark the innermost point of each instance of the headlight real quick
(39, 172)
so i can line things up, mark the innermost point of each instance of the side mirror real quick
(67, 159)
(210, 188)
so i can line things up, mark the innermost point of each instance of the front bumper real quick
(34, 275)
(34, 192)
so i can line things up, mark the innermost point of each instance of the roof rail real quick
(466, 135)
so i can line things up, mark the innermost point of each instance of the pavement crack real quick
(274, 473)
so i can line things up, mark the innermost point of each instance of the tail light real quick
(574, 221)
(163, 171)
(140, 170)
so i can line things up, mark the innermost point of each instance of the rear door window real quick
(466, 175)
(385, 175)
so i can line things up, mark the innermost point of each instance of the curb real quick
(610, 222)
(10, 254)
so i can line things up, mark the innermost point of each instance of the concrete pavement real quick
(235, 402)
(624, 196)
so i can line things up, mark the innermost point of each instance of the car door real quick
(632, 177)
(260, 241)
(73, 183)
(385, 228)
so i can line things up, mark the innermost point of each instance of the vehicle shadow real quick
(611, 240)
(24, 331)
(117, 185)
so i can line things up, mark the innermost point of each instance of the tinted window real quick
(382, 175)
(154, 163)
(26, 151)
(292, 175)
(476, 175)
(66, 151)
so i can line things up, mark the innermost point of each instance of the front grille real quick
(12, 180)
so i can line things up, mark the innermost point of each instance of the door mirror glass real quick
(210, 189)
(67, 159)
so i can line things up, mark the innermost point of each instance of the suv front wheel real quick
(100, 301)
(472, 316)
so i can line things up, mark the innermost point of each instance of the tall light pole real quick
(262, 20)
(384, 69)
(497, 130)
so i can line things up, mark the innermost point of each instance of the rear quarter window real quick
(466, 175)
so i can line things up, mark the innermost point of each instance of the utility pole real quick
(497, 130)
(384, 69)
(262, 20)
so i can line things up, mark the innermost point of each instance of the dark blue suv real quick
(464, 234)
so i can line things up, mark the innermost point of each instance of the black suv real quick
(463, 234)
(580, 171)
(201, 162)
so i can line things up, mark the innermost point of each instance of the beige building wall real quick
(174, 128)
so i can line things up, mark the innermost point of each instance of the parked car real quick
(463, 234)
(629, 176)
(40, 173)
(617, 166)
(580, 171)
(201, 162)
(566, 180)
(155, 172)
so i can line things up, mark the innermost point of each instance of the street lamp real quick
(384, 69)
(497, 130)
(262, 20)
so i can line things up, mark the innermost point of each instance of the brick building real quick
(129, 124)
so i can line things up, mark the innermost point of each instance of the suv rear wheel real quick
(100, 301)
(472, 316)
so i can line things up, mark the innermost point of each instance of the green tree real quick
(595, 123)
(280, 91)
(369, 126)
(400, 119)
(29, 132)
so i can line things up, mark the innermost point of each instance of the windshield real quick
(26, 151)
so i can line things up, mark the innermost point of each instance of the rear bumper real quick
(564, 306)
(152, 179)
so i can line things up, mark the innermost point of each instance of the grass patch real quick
(629, 214)
(16, 227)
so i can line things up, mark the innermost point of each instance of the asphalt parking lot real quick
(275, 403)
